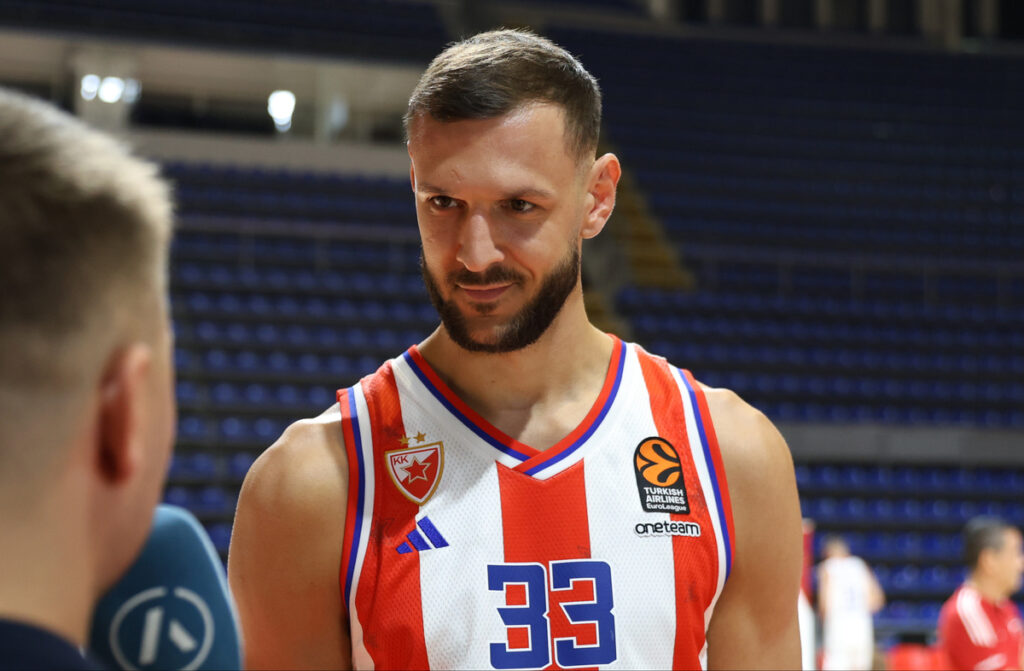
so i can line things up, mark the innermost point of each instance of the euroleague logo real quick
(657, 462)
(659, 477)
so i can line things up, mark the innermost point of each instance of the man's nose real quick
(478, 250)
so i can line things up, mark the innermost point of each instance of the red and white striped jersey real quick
(465, 548)
(975, 633)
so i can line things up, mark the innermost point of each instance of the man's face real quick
(499, 204)
(1008, 561)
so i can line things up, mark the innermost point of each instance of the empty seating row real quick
(954, 481)
(300, 206)
(979, 192)
(293, 181)
(272, 334)
(204, 501)
(825, 411)
(216, 396)
(274, 364)
(902, 547)
(807, 331)
(907, 512)
(199, 256)
(751, 303)
(232, 305)
(381, 29)
(911, 579)
(233, 430)
(216, 465)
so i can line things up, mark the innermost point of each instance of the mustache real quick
(493, 275)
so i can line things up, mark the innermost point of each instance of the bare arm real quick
(283, 564)
(755, 625)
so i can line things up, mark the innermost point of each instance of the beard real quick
(524, 327)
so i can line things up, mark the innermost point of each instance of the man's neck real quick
(986, 587)
(45, 577)
(567, 365)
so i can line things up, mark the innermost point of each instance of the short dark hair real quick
(493, 73)
(983, 533)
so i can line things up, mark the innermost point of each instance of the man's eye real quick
(442, 202)
(520, 206)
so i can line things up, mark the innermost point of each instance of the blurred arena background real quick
(823, 209)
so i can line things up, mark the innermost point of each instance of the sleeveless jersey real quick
(465, 548)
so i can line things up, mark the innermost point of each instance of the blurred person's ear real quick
(121, 443)
(986, 559)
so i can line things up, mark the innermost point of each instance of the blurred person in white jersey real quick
(519, 490)
(87, 410)
(848, 596)
(979, 626)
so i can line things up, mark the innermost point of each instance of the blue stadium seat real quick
(213, 500)
(220, 535)
(239, 464)
(178, 496)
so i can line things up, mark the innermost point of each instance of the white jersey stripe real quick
(714, 505)
(979, 629)
(360, 657)
(996, 661)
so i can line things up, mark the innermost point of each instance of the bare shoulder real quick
(286, 547)
(755, 623)
(748, 440)
(306, 465)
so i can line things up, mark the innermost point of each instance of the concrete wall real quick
(887, 444)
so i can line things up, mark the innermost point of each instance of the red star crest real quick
(416, 471)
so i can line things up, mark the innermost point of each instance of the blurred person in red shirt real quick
(979, 626)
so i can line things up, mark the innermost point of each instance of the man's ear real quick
(412, 176)
(601, 185)
(122, 412)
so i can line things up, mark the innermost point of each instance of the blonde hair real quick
(84, 234)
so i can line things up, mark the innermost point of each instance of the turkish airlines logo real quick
(172, 628)
(416, 471)
(659, 477)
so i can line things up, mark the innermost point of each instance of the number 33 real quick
(534, 614)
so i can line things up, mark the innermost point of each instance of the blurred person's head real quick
(502, 132)
(87, 412)
(835, 546)
(994, 554)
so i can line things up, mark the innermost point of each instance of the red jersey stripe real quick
(669, 418)
(545, 521)
(386, 573)
(716, 456)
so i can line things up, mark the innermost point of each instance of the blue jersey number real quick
(534, 614)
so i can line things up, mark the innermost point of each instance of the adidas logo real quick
(417, 543)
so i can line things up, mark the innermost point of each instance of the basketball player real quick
(519, 490)
(979, 626)
(848, 595)
(86, 378)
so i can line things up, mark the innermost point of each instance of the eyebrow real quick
(515, 194)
